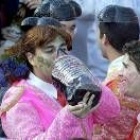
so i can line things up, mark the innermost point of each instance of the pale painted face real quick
(69, 26)
(44, 57)
(131, 78)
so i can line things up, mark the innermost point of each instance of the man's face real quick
(130, 78)
(44, 57)
(69, 26)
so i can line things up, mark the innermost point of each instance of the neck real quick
(112, 54)
(47, 79)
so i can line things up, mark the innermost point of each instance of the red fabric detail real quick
(61, 98)
(130, 137)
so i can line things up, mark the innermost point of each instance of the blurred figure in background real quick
(65, 11)
(86, 36)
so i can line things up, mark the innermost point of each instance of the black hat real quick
(118, 14)
(28, 23)
(58, 9)
(48, 21)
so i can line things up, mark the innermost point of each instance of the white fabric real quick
(116, 64)
(47, 88)
(138, 118)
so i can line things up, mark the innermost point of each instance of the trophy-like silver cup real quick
(74, 78)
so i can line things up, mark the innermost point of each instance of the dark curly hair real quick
(119, 24)
(133, 50)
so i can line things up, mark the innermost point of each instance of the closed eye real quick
(73, 27)
(64, 50)
(63, 47)
(49, 49)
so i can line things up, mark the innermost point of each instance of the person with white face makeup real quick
(30, 108)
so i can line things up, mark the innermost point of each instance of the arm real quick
(108, 108)
(22, 121)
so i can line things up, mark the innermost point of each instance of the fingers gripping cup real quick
(75, 80)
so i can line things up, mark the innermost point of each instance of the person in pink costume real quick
(30, 109)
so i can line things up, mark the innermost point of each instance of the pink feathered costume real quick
(27, 113)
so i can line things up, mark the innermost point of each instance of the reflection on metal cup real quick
(75, 80)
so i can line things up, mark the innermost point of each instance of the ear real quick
(30, 57)
(105, 40)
